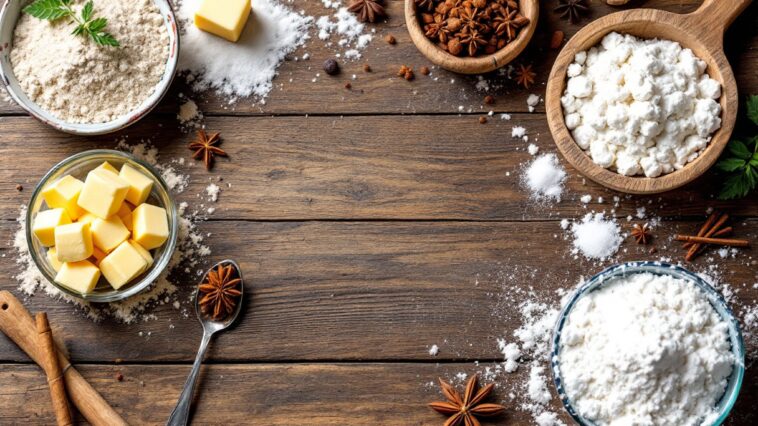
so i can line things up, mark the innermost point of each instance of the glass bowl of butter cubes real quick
(101, 225)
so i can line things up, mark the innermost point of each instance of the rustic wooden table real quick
(370, 223)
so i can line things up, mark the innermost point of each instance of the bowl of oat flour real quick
(92, 82)
(647, 343)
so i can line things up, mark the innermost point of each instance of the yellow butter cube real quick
(107, 166)
(45, 223)
(78, 276)
(144, 253)
(64, 194)
(52, 257)
(97, 256)
(73, 242)
(125, 213)
(139, 184)
(122, 265)
(224, 18)
(102, 193)
(87, 218)
(149, 226)
(107, 234)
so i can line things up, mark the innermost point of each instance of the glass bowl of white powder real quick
(76, 86)
(78, 166)
(647, 343)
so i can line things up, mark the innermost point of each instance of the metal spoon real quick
(180, 415)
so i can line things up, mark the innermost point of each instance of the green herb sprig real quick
(740, 162)
(87, 26)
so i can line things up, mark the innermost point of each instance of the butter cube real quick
(45, 223)
(52, 257)
(97, 256)
(107, 166)
(149, 226)
(87, 218)
(107, 234)
(125, 213)
(64, 194)
(224, 18)
(122, 265)
(139, 185)
(78, 276)
(73, 242)
(102, 193)
(144, 253)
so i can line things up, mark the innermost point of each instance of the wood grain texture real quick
(382, 92)
(312, 287)
(377, 167)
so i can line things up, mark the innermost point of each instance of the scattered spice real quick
(731, 242)
(710, 233)
(525, 76)
(205, 146)
(476, 27)
(348, 86)
(406, 72)
(368, 10)
(425, 70)
(557, 39)
(119, 377)
(482, 120)
(389, 38)
(331, 67)
(19, 188)
(366, 68)
(220, 292)
(641, 233)
(489, 99)
(572, 10)
(465, 409)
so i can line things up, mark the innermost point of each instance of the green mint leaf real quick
(739, 149)
(87, 11)
(735, 186)
(97, 25)
(752, 108)
(48, 9)
(730, 164)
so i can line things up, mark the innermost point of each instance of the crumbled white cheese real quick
(640, 106)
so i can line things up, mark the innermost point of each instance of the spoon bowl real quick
(701, 31)
(180, 415)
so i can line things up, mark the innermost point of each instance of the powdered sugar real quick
(544, 178)
(596, 237)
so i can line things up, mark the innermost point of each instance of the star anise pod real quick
(474, 41)
(220, 293)
(465, 410)
(368, 10)
(433, 28)
(525, 76)
(572, 9)
(509, 24)
(205, 147)
(641, 233)
(427, 5)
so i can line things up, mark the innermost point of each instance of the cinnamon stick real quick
(716, 241)
(720, 233)
(695, 248)
(49, 363)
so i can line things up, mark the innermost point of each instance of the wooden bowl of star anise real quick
(471, 36)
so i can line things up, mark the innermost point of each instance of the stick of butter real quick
(224, 18)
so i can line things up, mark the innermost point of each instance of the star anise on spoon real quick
(368, 10)
(220, 293)
(465, 409)
(206, 147)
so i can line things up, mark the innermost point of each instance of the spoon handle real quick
(180, 415)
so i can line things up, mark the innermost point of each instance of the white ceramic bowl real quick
(9, 16)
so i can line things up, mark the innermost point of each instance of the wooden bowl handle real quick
(713, 17)
(17, 323)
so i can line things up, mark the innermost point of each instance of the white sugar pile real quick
(346, 26)
(596, 237)
(248, 67)
(544, 178)
(189, 252)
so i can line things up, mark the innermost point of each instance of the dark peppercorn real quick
(390, 39)
(482, 120)
(425, 70)
(19, 188)
(366, 68)
(489, 99)
(348, 86)
(331, 67)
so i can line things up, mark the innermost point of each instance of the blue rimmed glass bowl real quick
(78, 166)
(727, 401)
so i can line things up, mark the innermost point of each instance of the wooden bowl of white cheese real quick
(77, 86)
(629, 135)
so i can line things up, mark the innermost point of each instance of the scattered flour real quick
(544, 178)
(189, 115)
(596, 237)
(434, 350)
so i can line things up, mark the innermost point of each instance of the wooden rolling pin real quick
(52, 369)
(17, 323)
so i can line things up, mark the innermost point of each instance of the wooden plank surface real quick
(382, 92)
(370, 167)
